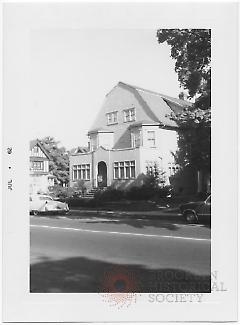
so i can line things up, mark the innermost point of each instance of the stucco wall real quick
(77, 160)
(109, 157)
(118, 100)
(106, 140)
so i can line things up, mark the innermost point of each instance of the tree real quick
(155, 177)
(194, 140)
(59, 163)
(191, 50)
(80, 186)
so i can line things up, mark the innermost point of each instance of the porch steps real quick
(91, 193)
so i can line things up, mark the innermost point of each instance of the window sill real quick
(85, 180)
(129, 121)
(112, 123)
(124, 179)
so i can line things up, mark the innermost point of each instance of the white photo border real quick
(18, 21)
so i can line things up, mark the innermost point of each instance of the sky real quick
(71, 71)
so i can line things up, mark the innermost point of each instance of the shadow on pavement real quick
(81, 274)
(139, 223)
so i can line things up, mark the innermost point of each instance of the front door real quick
(102, 174)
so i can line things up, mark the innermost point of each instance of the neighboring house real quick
(131, 133)
(40, 178)
(78, 150)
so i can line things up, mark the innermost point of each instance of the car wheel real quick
(190, 217)
(35, 213)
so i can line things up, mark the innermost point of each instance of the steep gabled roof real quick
(36, 142)
(178, 101)
(158, 106)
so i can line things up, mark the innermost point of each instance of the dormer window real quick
(112, 118)
(129, 115)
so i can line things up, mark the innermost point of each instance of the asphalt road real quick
(118, 254)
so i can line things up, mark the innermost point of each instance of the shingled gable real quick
(36, 142)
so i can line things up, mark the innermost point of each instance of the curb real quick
(124, 214)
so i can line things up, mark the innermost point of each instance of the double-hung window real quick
(129, 115)
(81, 172)
(124, 169)
(112, 118)
(136, 139)
(151, 138)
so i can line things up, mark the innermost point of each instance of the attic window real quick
(112, 118)
(129, 115)
(35, 149)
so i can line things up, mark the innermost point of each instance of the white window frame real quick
(129, 115)
(112, 117)
(151, 139)
(125, 166)
(136, 139)
(37, 162)
(83, 172)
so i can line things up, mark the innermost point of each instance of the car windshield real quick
(208, 200)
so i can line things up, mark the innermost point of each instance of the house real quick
(132, 133)
(40, 178)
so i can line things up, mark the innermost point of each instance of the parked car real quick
(195, 212)
(45, 204)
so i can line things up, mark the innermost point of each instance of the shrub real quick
(140, 193)
(77, 202)
(62, 192)
(146, 193)
(163, 192)
(109, 194)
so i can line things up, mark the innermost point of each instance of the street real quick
(93, 254)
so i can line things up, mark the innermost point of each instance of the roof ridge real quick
(172, 99)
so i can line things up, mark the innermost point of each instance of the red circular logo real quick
(119, 287)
